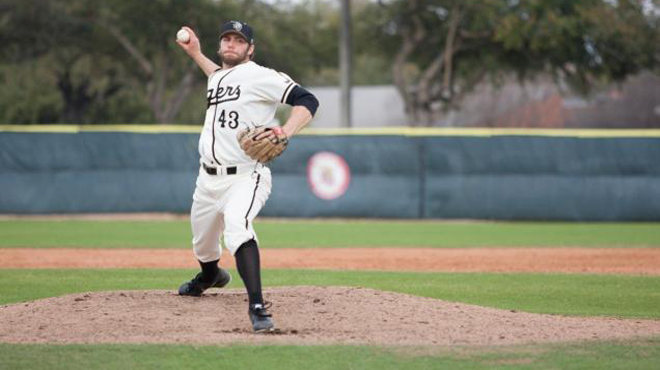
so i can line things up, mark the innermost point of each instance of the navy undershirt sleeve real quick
(300, 96)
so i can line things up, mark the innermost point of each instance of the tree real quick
(297, 38)
(60, 68)
(443, 48)
(116, 61)
(145, 31)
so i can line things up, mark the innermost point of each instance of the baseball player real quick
(234, 182)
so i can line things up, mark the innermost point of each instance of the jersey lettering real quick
(222, 94)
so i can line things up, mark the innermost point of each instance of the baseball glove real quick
(263, 143)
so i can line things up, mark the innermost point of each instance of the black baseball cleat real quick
(196, 286)
(260, 318)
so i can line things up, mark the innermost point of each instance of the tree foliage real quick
(443, 48)
(85, 62)
(115, 61)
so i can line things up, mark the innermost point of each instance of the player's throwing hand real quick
(192, 46)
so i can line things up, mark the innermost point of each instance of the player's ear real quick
(251, 51)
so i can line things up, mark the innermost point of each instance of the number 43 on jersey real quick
(229, 118)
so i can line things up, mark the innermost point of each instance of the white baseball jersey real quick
(246, 95)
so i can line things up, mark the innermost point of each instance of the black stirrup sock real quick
(247, 263)
(209, 270)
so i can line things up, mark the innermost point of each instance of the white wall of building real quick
(372, 106)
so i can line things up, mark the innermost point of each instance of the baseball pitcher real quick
(237, 141)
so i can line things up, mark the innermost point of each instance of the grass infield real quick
(333, 233)
(569, 294)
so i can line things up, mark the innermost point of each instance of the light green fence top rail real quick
(395, 131)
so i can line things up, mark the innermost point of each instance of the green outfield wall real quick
(515, 174)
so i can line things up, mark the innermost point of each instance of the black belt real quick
(214, 171)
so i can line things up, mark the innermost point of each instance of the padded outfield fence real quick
(503, 174)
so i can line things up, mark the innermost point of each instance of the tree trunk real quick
(183, 90)
(411, 39)
(442, 62)
(157, 93)
(76, 99)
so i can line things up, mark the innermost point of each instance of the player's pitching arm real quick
(299, 118)
(194, 50)
(263, 144)
(304, 107)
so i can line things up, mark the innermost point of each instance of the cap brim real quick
(236, 33)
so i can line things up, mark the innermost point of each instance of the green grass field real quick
(333, 234)
(638, 354)
(569, 294)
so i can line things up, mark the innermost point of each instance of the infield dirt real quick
(638, 261)
(316, 315)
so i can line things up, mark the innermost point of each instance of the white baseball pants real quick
(226, 205)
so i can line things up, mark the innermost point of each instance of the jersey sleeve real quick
(275, 86)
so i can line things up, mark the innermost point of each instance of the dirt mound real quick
(304, 315)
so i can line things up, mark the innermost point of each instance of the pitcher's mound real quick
(303, 315)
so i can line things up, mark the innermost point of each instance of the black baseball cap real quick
(238, 27)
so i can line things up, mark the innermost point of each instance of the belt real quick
(227, 170)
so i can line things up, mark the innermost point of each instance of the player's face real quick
(234, 49)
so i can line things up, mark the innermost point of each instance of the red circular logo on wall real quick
(328, 175)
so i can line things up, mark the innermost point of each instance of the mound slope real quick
(304, 315)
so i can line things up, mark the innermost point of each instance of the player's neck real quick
(232, 65)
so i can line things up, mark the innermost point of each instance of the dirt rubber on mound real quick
(304, 315)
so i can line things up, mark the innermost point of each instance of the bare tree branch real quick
(182, 91)
(449, 48)
(128, 45)
(443, 59)
(158, 92)
(411, 39)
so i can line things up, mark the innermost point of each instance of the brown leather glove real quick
(263, 143)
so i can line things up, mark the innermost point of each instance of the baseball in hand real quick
(183, 36)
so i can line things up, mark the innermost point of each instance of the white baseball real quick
(183, 36)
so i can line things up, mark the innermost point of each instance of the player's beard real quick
(232, 60)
